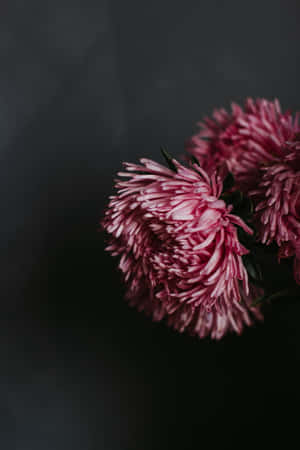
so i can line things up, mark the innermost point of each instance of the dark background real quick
(83, 86)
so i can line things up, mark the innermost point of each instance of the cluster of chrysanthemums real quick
(186, 233)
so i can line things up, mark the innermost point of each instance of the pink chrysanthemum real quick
(198, 321)
(243, 139)
(277, 200)
(180, 254)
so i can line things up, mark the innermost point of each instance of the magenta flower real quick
(277, 200)
(178, 248)
(243, 139)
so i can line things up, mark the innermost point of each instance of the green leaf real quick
(274, 296)
(234, 198)
(228, 182)
(253, 269)
(168, 159)
(194, 160)
(259, 300)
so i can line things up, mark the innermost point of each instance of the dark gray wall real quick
(83, 86)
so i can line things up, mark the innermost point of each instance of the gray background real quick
(83, 86)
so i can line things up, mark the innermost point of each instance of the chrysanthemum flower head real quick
(277, 199)
(243, 139)
(179, 250)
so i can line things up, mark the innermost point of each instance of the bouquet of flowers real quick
(199, 239)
